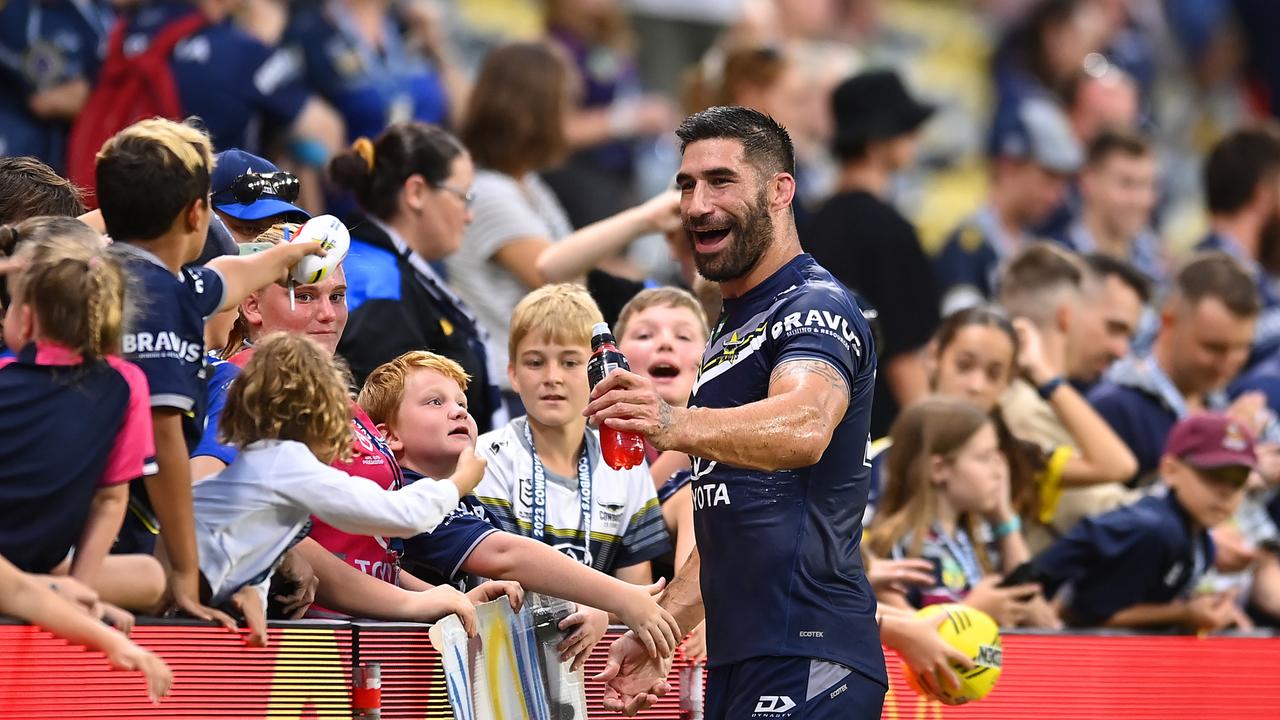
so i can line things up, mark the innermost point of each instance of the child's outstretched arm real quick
(356, 506)
(23, 597)
(106, 515)
(242, 275)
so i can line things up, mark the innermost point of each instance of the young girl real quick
(289, 415)
(66, 388)
(947, 477)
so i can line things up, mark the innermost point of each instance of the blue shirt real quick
(370, 87)
(166, 338)
(966, 266)
(437, 557)
(801, 591)
(43, 44)
(1136, 409)
(221, 373)
(1146, 552)
(225, 76)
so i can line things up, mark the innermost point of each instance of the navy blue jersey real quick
(437, 557)
(225, 76)
(1146, 552)
(371, 87)
(43, 44)
(166, 337)
(52, 401)
(1138, 418)
(221, 373)
(801, 591)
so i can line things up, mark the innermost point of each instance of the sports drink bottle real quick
(621, 449)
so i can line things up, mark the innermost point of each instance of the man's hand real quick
(630, 403)
(921, 647)
(1007, 606)
(635, 679)
(494, 589)
(1213, 612)
(591, 625)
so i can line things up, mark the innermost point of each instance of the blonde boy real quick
(546, 479)
(419, 403)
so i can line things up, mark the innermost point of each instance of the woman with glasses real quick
(413, 186)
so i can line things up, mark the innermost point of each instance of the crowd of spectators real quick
(1061, 217)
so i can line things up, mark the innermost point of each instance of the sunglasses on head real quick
(250, 187)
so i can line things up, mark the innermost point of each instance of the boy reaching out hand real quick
(419, 404)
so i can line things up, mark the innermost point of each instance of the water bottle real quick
(621, 450)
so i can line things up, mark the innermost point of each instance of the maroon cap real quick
(1208, 441)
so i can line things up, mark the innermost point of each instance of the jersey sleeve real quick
(209, 446)
(446, 548)
(206, 286)
(645, 537)
(822, 323)
(134, 453)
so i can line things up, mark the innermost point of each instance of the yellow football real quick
(975, 634)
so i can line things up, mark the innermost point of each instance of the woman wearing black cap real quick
(867, 244)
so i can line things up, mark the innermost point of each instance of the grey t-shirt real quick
(505, 209)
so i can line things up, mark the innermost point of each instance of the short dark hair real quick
(1237, 164)
(148, 173)
(1107, 266)
(766, 144)
(1215, 274)
(1036, 270)
(375, 170)
(1117, 141)
(29, 188)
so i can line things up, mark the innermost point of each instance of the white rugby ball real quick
(332, 236)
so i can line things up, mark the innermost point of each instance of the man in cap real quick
(1139, 566)
(1033, 160)
(867, 244)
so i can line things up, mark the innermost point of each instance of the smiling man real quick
(777, 430)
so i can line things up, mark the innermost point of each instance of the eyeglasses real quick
(467, 198)
(250, 187)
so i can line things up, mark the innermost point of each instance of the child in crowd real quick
(26, 598)
(68, 388)
(604, 518)
(1139, 566)
(947, 477)
(153, 191)
(419, 402)
(288, 415)
(663, 332)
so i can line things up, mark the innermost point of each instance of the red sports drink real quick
(621, 450)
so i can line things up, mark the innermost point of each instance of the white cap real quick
(600, 328)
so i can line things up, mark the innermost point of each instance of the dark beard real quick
(750, 239)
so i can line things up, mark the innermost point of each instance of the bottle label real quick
(603, 363)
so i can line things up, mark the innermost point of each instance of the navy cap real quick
(231, 164)
(1039, 133)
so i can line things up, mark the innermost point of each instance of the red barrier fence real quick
(305, 672)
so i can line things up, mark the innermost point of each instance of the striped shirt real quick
(626, 522)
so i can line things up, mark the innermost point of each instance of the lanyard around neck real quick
(539, 501)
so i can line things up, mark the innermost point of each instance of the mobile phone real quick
(1024, 574)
